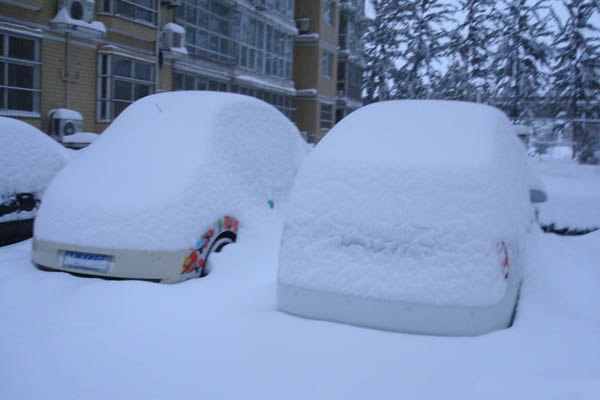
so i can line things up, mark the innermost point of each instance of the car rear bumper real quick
(162, 266)
(427, 319)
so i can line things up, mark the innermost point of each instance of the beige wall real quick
(82, 91)
(307, 112)
(306, 66)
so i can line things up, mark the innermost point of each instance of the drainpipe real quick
(157, 51)
(67, 73)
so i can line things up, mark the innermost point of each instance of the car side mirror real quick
(537, 196)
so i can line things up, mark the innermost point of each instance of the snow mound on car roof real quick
(168, 167)
(29, 158)
(410, 201)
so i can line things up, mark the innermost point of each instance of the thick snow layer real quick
(29, 158)
(168, 167)
(63, 20)
(65, 113)
(573, 194)
(80, 137)
(220, 337)
(410, 201)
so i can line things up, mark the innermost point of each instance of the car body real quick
(176, 176)
(411, 216)
(29, 159)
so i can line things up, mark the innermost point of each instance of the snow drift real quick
(407, 202)
(167, 167)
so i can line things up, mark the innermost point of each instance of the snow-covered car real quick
(410, 216)
(29, 159)
(176, 176)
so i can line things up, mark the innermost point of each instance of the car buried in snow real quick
(410, 216)
(29, 159)
(176, 177)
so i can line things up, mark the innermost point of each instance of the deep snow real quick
(410, 201)
(64, 337)
(167, 167)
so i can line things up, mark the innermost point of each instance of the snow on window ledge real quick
(19, 113)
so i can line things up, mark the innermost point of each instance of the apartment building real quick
(98, 56)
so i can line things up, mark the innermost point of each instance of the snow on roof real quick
(409, 200)
(65, 113)
(29, 159)
(63, 22)
(168, 167)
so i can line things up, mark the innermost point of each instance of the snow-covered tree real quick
(520, 57)
(380, 53)
(576, 75)
(471, 44)
(422, 38)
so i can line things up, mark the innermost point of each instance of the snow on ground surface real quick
(574, 194)
(396, 205)
(169, 166)
(220, 337)
(65, 337)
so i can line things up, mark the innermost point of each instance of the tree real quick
(380, 53)
(521, 54)
(473, 42)
(422, 39)
(575, 73)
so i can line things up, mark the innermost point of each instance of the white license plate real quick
(87, 261)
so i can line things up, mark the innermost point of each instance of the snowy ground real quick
(574, 200)
(64, 337)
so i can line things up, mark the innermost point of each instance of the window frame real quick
(105, 93)
(324, 122)
(6, 60)
(326, 58)
(212, 20)
(111, 7)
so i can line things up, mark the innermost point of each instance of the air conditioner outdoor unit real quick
(303, 24)
(173, 3)
(82, 10)
(172, 40)
(259, 5)
(64, 122)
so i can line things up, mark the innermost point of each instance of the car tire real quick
(222, 240)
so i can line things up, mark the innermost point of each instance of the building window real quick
(207, 29)
(329, 12)
(121, 82)
(19, 74)
(349, 81)
(264, 49)
(188, 81)
(136, 10)
(326, 114)
(327, 63)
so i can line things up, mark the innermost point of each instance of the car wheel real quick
(222, 240)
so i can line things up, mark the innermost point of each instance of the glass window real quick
(209, 23)
(123, 81)
(327, 62)
(326, 114)
(19, 74)
(329, 11)
(140, 10)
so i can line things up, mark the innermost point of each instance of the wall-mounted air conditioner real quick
(173, 3)
(81, 10)
(259, 5)
(303, 25)
(64, 122)
(172, 40)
